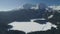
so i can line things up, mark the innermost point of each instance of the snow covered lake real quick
(31, 26)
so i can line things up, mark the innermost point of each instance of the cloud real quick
(55, 7)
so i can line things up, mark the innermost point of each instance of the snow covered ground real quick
(31, 26)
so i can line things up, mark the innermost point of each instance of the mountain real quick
(24, 15)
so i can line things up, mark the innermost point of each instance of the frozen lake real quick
(31, 26)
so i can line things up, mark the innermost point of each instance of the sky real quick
(6, 5)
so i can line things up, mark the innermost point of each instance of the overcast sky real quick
(13, 4)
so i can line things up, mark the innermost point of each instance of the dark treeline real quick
(15, 32)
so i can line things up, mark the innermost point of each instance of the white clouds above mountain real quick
(55, 7)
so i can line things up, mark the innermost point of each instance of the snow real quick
(55, 7)
(50, 16)
(31, 26)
